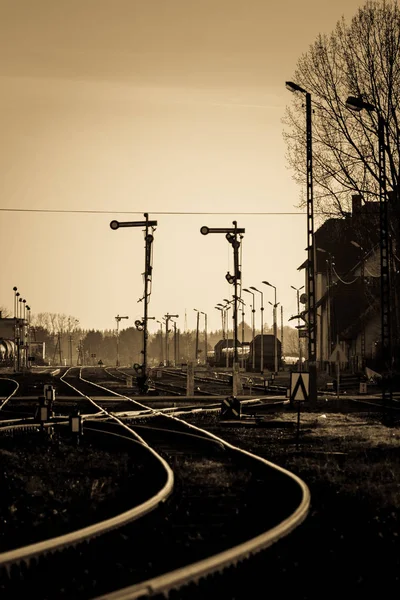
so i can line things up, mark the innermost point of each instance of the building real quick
(347, 287)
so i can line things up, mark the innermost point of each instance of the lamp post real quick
(329, 276)
(28, 343)
(222, 320)
(205, 337)
(197, 334)
(118, 319)
(167, 318)
(243, 305)
(275, 328)
(312, 334)
(262, 328)
(362, 274)
(297, 290)
(161, 343)
(225, 309)
(16, 294)
(19, 332)
(253, 326)
(357, 104)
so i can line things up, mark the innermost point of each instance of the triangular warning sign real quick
(299, 386)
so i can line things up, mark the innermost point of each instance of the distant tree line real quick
(63, 337)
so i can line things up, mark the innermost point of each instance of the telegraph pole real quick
(141, 370)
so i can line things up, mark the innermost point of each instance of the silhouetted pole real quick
(148, 270)
(312, 321)
(197, 334)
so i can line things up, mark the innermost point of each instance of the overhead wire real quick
(155, 212)
(342, 280)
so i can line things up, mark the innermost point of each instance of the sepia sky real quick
(158, 106)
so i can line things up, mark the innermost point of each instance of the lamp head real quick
(356, 104)
(293, 87)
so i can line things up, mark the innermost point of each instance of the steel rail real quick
(179, 577)
(32, 550)
(12, 393)
(24, 553)
(184, 575)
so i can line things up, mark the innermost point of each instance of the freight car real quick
(268, 353)
(221, 349)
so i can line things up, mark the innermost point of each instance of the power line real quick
(131, 212)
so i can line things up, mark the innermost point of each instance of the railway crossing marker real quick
(299, 392)
(299, 386)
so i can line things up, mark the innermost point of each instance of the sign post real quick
(299, 392)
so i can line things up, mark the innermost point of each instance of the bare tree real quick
(5, 313)
(361, 58)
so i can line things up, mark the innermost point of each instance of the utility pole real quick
(141, 370)
(281, 330)
(118, 319)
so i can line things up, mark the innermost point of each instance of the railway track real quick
(211, 522)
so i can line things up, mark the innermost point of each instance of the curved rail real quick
(12, 393)
(184, 575)
(180, 577)
(33, 550)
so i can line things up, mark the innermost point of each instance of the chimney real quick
(356, 204)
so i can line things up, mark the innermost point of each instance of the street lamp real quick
(357, 104)
(275, 304)
(262, 327)
(16, 294)
(197, 333)
(167, 318)
(222, 320)
(161, 343)
(298, 290)
(118, 319)
(224, 310)
(253, 326)
(205, 337)
(243, 305)
(312, 364)
(362, 274)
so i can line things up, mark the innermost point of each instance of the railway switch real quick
(231, 408)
